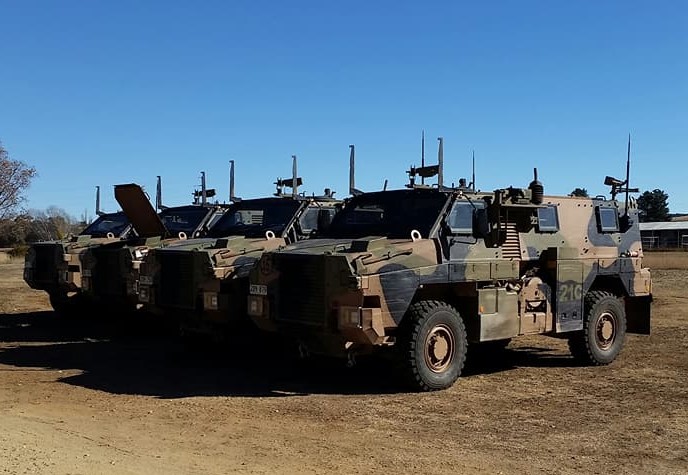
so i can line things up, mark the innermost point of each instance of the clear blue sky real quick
(99, 93)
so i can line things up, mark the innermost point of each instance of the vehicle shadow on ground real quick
(136, 357)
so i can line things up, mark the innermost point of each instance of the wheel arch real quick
(462, 296)
(637, 307)
(609, 283)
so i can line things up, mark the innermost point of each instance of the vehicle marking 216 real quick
(570, 291)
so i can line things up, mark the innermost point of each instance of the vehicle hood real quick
(138, 209)
(369, 255)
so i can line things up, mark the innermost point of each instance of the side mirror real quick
(482, 223)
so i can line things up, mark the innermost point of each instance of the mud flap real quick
(638, 314)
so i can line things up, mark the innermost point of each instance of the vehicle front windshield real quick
(114, 223)
(254, 218)
(392, 214)
(184, 219)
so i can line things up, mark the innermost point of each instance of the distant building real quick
(664, 235)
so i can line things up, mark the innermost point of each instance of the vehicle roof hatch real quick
(139, 210)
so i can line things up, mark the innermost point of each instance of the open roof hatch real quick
(138, 209)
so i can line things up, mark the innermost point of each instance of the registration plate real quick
(256, 289)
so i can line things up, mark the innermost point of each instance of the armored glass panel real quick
(114, 223)
(460, 218)
(256, 217)
(608, 219)
(309, 220)
(391, 214)
(547, 219)
(184, 220)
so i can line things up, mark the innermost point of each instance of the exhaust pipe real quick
(98, 211)
(295, 183)
(440, 162)
(232, 197)
(352, 172)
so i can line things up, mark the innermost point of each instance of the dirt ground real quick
(94, 398)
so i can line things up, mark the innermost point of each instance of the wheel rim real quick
(605, 333)
(440, 345)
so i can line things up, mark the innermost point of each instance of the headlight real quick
(255, 305)
(144, 294)
(210, 300)
(350, 317)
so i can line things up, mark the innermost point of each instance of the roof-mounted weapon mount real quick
(619, 186)
(430, 170)
(294, 182)
(201, 196)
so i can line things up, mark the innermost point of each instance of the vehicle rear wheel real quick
(65, 305)
(604, 329)
(432, 345)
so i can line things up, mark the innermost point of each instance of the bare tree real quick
(15, 177)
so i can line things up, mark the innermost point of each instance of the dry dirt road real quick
(92, 398)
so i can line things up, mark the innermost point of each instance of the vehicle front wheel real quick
(432, 345)
(604, 330)
(65, 305)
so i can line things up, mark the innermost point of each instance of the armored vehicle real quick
(55, 266)
(420, 273)
(203, 283)
(111, 271)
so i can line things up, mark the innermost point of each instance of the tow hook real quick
(350, 359)
(303, 351)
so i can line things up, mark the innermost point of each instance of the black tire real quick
(604, 330)
(428, 324)
(66, 306)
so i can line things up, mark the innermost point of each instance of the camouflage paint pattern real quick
(338, 295)
(55, 266)
(111, 272)
(203, 283)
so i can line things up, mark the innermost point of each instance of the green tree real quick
(15, 177)
(582, 192)
(654, 206)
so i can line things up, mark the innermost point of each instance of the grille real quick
(177, 284)
(301, 296)
(45, 266)
(108, 278)
(511, 249)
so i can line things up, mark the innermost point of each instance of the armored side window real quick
(548, 221)
(309, 220)
(461, 218)
(607, 219)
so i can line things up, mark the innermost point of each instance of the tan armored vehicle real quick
(55, 266)
(203, 283)
(111, 272)
(422, 272)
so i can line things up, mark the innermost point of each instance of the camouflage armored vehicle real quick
(55, 266)
(111, 271)
(422, 272)
(203, 283)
